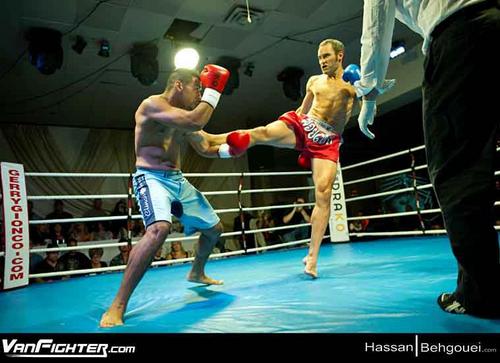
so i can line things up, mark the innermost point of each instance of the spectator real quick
(159, 255)
(359, 225)
(259, 223)
(49, 264)
(95, 211)
(35, 259)
(41, 235)
(60, 213)
(118, 226)
(176, 227)
(122, 257)
(32, 216)
(101, 233)
(80, 232)
(297, 215)
(177, 251)
(96, 256)
(264, 220)
(138, 229)
(356, 226)
(57, 234)
(249, 238)
(74, 260)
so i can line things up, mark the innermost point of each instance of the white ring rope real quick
(397, 191)
(115, 244)
(167, 262)
(138, 216)
(83, 219)
(399, 233)
(109, 243)
(239, 252)
(78, 196)
(409, 151)
(189, 175)
(399, 214)
(385, 175)
(122, 196)
(169, 239)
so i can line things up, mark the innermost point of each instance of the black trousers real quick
(461, 108)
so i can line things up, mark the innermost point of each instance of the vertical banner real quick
(16, 228)
(339, 231)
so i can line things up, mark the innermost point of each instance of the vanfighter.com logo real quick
(47, 348)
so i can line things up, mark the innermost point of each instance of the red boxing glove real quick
(213, 78)
(304, 161)
(237, 144)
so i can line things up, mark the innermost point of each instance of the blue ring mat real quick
(381, 286)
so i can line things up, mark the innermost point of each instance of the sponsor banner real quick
(15, 226)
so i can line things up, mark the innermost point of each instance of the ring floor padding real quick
(382, 286)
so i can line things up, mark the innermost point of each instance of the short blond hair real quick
(337, 45)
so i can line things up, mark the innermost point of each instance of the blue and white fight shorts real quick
(157, 190)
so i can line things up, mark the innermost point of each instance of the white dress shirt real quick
(421, 16)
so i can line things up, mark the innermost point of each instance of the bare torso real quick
(333, 101)
(157, 146)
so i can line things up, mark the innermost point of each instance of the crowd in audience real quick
(256, 226)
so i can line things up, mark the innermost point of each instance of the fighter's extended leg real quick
(204, 247)
(276, 134)
(140, 259)
(324, 172)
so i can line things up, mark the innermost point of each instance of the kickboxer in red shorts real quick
(314, 129)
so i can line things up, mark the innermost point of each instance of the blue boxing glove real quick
(352, 73)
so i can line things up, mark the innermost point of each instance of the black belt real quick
(463, 14)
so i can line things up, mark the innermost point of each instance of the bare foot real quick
(311, 269)
(203, 279)
(112, 317)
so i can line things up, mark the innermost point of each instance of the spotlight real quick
(290, 76)
(104, 48)
(187, 58)
(144, 63)
(397, 49)
(45, 51)
(79, 45)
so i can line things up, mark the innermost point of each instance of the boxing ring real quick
(388, 284)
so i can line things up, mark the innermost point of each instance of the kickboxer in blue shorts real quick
(163, 123)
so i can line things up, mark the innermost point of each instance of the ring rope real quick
(168, 262)
(384, 157)
(193, 175)
(242, 215)
(397, 191)
(227, 234)
(77, 196)
(124, 175)
(384, 175)
(168, 239)
(415, 192)
(232, 253)
(398, 214)
(138, 216)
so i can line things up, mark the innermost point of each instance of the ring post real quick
(339, 231)
(15, 227)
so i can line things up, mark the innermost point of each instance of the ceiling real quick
(92, 91)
